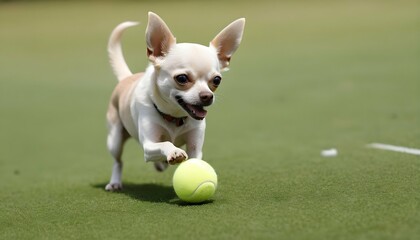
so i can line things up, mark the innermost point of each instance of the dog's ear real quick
(158, 37)
(227, 41)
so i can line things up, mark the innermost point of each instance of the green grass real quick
(308, 76)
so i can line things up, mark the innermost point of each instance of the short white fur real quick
(139, 100)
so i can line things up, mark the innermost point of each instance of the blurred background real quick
(305, 69)
(308, 75)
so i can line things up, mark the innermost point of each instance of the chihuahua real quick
(164, 107)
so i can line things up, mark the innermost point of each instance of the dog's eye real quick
(217, 80)
(181, 79)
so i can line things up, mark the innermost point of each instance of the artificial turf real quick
(309, 75)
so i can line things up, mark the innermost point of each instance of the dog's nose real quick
(206, 97)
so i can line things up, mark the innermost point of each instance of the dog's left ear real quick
(227, 41)
(158, 37)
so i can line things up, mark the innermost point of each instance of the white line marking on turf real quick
(394, 148)
(329, 152)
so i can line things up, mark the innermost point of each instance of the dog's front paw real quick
(177, 156)
(112, 187)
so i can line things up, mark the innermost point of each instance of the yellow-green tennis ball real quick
(194, 181)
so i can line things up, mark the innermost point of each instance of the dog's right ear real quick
(227, 41)
(158, 37)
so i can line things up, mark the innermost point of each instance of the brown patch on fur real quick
(212, 87)
(119, 107)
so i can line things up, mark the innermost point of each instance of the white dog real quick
(164, 107)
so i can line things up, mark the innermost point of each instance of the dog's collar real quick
(177, 121)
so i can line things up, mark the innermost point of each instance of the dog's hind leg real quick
(117, 136)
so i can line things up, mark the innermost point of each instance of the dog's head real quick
(187, 74)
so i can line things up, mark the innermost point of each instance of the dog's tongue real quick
(197, 112)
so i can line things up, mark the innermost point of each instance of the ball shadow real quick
(146, 192)
(150, 192)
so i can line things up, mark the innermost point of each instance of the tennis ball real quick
(194, 181)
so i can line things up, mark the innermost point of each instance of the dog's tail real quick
(116, 58)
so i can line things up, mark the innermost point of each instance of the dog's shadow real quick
(149, 192)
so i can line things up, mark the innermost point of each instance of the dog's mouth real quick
(195, 111)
